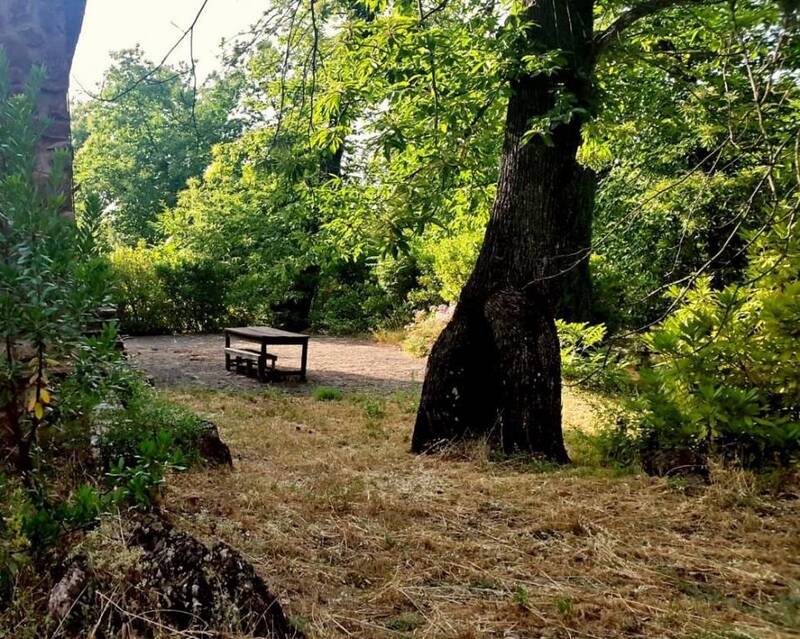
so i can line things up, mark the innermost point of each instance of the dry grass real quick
(361, 539)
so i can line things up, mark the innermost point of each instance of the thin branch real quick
(314, 57)
(424, 15)
(155, 69)
(194, 87)
(284, 73)
(611, 34)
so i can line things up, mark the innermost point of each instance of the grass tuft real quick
(406, 622)
(326, 394)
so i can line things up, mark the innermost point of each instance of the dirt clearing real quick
(341, 362)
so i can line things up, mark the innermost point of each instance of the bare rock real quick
(65, 594)
(171, 571)
(239, 584)
(176, 583)
(200, 588)
(211, 447)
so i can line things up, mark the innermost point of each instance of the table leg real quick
(304, 361)
(227, 356)
(262, 360)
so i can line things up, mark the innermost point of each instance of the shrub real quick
(453, 257)
(343, 308)
(51, 280)
(423, 331)
(723, 377)
(586, 360)
(196, 289)
(139, 481)
(151, 427)
(159, 291)
(616, 444)
(14, 544)
(139, 292)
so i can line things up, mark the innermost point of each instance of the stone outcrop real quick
(69, 589)
(211, 447)
(174, 582)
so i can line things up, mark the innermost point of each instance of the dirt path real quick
(347, 363)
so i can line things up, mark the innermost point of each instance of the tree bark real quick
(45, 32)
(495, 370)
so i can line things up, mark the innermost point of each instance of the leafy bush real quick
(723, 377)
(423, 331)
(139, 293)
(14, 544)
(586, 360)
(150, 427)
(51, 280)
(162, 290)
(139, 445)
(348, 300)
(31, 522)
(140, 481)
(616, 444)
(159, 291)
(450, 255)
(196, 289)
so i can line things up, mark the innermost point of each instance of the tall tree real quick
(147, 132)
(44, 32)
(495, 369)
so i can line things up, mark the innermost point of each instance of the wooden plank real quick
(250, 353)
(262, 332)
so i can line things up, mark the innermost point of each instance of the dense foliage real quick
(724, 375)
(63, 463)
(356, 192)
(50, 280)
(146, 132)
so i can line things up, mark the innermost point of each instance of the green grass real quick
(406, 622)
(326, 394)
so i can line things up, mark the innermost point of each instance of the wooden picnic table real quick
(265, 361)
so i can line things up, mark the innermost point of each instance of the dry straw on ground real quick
(361, 539)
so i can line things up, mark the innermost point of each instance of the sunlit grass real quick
(361, 538)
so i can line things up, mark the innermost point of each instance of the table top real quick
(264, 332)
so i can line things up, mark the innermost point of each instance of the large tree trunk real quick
(495, 369)
(44, 32)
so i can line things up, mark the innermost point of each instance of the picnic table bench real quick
(245, 358)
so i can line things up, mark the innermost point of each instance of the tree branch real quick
(611, 34)
(144, 78)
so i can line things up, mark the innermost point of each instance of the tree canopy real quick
(341, 173)
(139, 141)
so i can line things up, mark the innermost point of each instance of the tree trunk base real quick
(495, 372)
